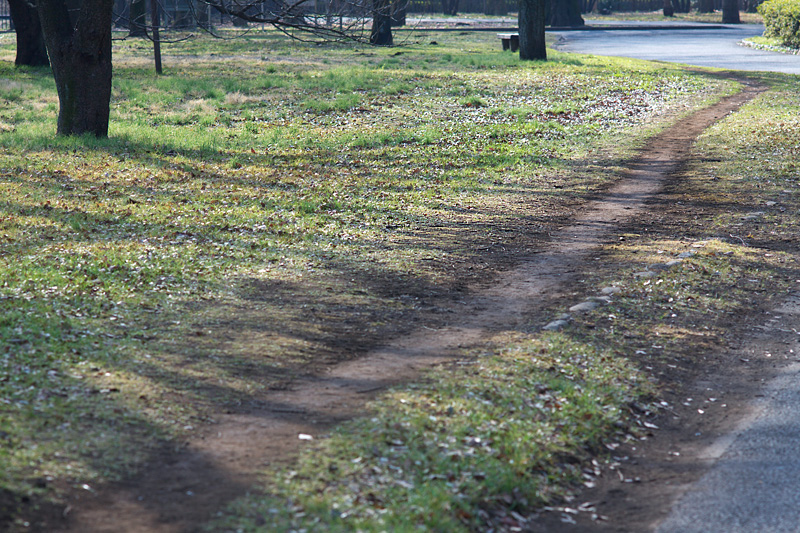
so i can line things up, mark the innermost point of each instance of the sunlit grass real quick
(658, 16)
(507, 432)
(515, 426)
(338, 178)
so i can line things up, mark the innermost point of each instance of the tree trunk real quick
(565, 13)
(381, 33)
(80, 55)
(155, 21)
(730, 12)
(137, 24)
(574, 11)
(31, 50)
(669, 11)
(531, 29)
(399, 12)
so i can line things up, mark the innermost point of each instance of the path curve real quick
(183, 492)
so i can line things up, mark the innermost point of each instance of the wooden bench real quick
(510, 41)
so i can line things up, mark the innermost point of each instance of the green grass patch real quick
(658, 16)
(483, 443)
(507, 432)
(243, 215)
(772, 44)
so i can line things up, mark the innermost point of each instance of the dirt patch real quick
(180, 488)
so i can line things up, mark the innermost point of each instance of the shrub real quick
(782, 20)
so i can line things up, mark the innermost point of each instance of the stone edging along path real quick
(179, 493)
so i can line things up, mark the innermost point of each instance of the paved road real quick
(753, 486)
(712, 47)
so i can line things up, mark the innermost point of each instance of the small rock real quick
(659, 267)
(753, 216)
(585, 307)
(610, 290)
(564, 316)
(684, 255)
(770, 203)
(555, 325)
(645, 274)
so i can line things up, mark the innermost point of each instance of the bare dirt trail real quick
(180, 491)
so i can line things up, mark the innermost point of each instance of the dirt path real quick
(178, 492)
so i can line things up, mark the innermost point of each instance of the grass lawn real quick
(658, 16)
(266, 200)
(772, 44)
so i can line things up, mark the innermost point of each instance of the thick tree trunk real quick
(31, 50)
(399, 13)
(531, 29)
(80, 55)
(381, 33)
(669, 11)
(137, 25)
(565, 13)
(730, 12)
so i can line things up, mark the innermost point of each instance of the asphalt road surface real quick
(709, 46)
(754, 486)
(754, 483)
